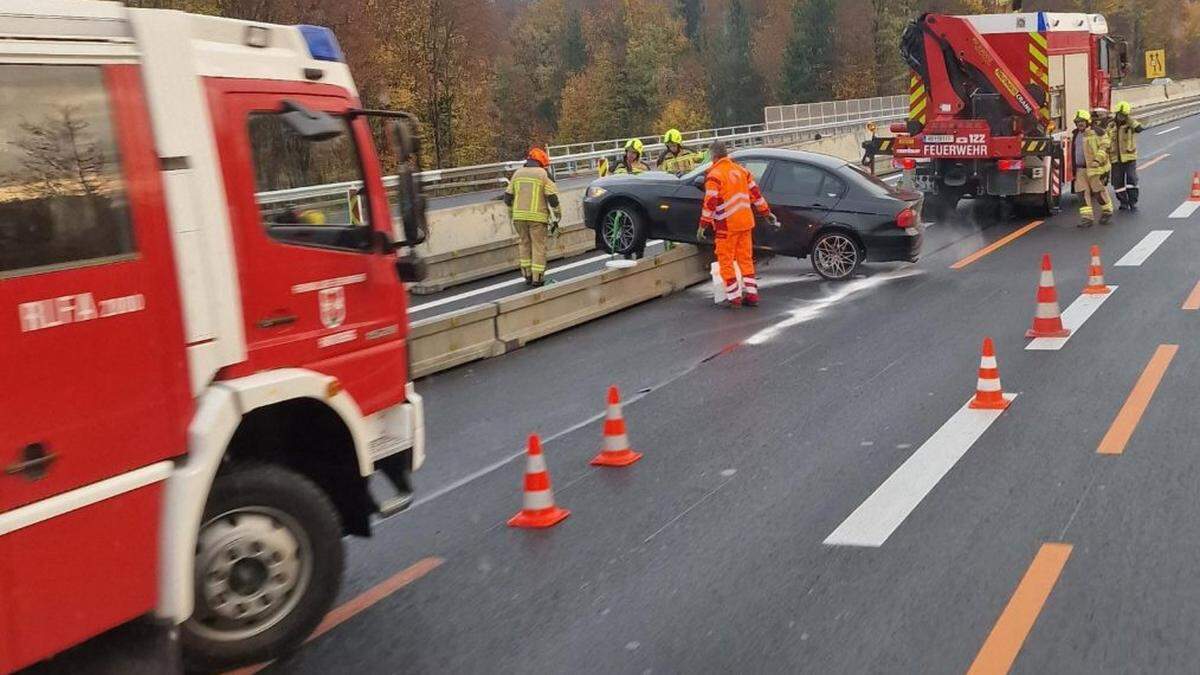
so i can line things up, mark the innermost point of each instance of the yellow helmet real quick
(1123, 107)
(311, 217)
(1083, 115)
(672, 136)
(634, 144)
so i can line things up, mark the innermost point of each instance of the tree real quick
(854, 72)
(735, 93)
(61, 155)
(809, 61)
(891, 18)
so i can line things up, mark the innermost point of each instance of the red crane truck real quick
(203, 347)
(991, 103)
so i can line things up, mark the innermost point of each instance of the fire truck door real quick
(95, 393)
(316, 290)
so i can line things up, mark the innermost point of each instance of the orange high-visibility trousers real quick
(739, 247)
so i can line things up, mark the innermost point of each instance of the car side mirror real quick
(311, 125)
(698, 181)
(411, 267)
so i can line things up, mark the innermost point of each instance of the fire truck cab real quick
(992, 99)
(202, 327)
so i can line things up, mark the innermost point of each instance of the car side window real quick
(797, 179)
(833, 187)
(309, 192)
(62, 194)
(757, 168)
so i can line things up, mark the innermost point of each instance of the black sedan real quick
(829, 210)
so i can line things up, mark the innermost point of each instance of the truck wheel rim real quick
(836, 255)
(618, 230)
(253, 565)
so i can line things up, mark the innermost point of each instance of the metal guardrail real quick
(785, 125)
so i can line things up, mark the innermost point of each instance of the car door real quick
(684, 206)
(95, 392)
(801, 196)
(315, 292)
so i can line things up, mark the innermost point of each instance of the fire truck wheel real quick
(269, 564)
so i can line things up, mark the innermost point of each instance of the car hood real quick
(647, 178)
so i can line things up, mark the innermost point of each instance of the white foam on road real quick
(1185, 210)
(878, 517)
(1167, 131)
(1072, 318)
(812, 309)
(511, 282)
(1143, 249)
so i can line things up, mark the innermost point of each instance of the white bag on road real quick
(718, 284)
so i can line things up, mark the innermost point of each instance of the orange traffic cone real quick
(538, 509)
(1047, 319)
(988, 393)
(616, 450)
(1195, 196)
(1095, 284)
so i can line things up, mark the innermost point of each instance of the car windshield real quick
(868, 181)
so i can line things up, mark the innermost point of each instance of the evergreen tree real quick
(691, 11)
(809, 62)
(735, 93)
(574, 48)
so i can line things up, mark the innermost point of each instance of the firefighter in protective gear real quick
(1124, 156)
(533, 202)
(729, 195)
(1091, 164)
(632, 162)
(676, 158)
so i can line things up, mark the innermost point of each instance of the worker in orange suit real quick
(729, 195)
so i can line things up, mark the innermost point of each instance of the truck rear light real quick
(1010, 164)
(906, 218)
(905, 163)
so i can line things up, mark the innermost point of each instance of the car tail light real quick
(906, 218)
(1010, 164)
(906, 163)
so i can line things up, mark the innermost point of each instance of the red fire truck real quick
(991, 103)
(202, 327)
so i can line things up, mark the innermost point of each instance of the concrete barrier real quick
(445, 341)
(535, 314)
(493, 328)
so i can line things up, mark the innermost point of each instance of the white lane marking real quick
(1072, 318)
(895, 176)
(812, 309)
(1167, 131)
(512, 282)
(878, 517)
(1185, 210)
(1143, 249)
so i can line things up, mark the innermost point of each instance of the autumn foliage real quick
(490, 77)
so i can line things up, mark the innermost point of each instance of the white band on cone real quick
(614, 412)
(1047, 278)
(988, 385)
(536, 501)
(987, 362)
(537, 464)
(1047, 310)
(616, 443)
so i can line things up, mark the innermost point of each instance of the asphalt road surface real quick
(813, 498)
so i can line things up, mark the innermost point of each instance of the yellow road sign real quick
(1156, 63)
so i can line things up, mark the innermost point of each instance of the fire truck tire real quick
(939, 206)
(269, 563)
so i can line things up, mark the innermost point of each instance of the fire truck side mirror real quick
(311, 125)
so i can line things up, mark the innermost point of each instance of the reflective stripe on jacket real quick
(1095, 154)
(683, 162)
(1126, 145)
(531, 189)
(729, 193)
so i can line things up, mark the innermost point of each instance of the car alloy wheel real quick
(835, 256)
(618, 230)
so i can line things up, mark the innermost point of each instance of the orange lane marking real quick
(1004, 642)
(369, 597)
(1193, 301)
(1154, 161)
(1118, 435)
(994, 245)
